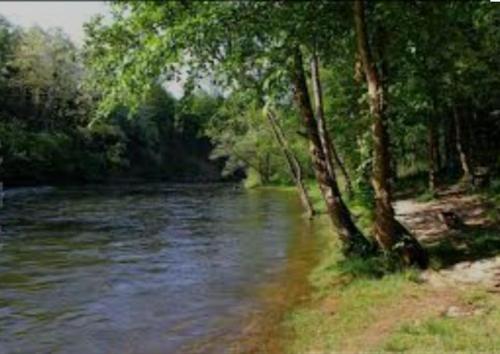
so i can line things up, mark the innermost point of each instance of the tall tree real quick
(353, 239)
(388, 232)
(329, 148)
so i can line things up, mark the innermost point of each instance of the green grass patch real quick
(476, 333)
(358, 290)
(352, 295)
(492, 195)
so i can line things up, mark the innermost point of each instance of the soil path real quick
(472, 247)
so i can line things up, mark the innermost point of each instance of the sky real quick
(69, 15)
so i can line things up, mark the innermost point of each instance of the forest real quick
(48, 111)
(367, 110)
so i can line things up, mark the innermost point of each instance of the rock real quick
(462, 265)
(456, 311)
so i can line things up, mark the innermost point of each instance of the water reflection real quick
(138, 269)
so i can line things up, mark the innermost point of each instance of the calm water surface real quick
(142, 268)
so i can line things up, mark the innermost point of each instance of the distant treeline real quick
(48, 127)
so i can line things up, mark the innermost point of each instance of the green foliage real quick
(57, 156)
(241, 134)
(244, 50)
(48, 133)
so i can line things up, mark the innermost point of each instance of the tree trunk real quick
(340, 164)
(388, 232)
(351, 237)
(450, 145)
(293, 165)
(459, 139)
(433, 150)
(326, 142)
(320, 114)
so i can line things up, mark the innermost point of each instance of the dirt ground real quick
(469, 258)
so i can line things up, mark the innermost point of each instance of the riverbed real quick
(150, 268)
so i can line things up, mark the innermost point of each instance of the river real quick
(149, 268)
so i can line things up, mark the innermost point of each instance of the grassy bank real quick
(353, 310)
(360, 306)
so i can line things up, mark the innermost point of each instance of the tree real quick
(352, 238)
(388, 232)
(293, 164)
(248, 39)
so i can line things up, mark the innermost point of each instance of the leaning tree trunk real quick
(340, 164)
(351, 237)
(320, 115)
(326, 142)
(388, 232)
(293, 165)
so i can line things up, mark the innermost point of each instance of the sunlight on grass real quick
(353, 297)
(471, 334)
(349, 296)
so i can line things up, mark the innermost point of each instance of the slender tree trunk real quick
(388, 232)
(459, 139)
(351, 237)
(433, 149)
(450, 145)
(293, 165)
(326, 141)
(439, 149)
(340, 164)
(320, 114)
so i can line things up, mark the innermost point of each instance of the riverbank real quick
(356, 306)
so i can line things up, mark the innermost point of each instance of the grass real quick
(363, 305)
(492, 194)
(470, 334)
(367, 305)
(348, 297)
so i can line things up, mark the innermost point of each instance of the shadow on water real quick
(150, 269)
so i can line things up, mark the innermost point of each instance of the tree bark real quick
(320, 114)
(388, 232)
(351, 237)
(293, 165)
(450, 145)
(326, 141)
(340, 164)
(459, 139)
(433, 150)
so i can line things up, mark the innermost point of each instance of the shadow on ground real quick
(469, 244)
(477, 237)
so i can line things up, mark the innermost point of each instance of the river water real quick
(146, 269)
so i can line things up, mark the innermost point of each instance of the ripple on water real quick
(136, 269)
